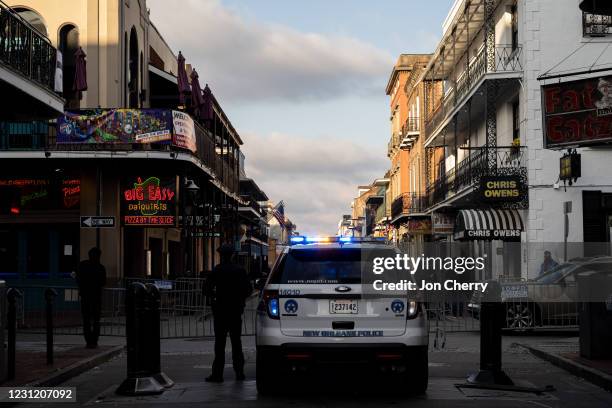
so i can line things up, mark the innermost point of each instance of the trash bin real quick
(595, 314)
(4, 346)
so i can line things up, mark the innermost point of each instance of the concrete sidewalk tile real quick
(590, 374)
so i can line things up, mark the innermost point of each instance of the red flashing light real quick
(15, 210)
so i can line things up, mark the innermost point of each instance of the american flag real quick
(279, 212)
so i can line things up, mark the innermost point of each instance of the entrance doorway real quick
(156, 248)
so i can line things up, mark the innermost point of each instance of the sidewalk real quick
(71, 358)
(566, 354)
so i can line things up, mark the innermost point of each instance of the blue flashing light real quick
(346, 239)
(297, 240)
(273, 307)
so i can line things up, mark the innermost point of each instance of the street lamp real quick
(192, 190)
(191, 187)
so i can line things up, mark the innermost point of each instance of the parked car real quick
(548, 300)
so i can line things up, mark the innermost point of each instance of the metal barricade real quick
(184, 312)
(527, 306)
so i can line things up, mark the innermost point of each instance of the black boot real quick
(214, 378)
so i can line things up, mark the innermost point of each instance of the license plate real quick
(514, 291)
(343, 307)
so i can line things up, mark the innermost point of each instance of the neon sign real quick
(149, 202)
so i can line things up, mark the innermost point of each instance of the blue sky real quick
(304, 84)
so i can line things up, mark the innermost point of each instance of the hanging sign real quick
(501, 188)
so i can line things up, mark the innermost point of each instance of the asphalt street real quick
(188, 362)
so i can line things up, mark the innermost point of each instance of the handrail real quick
(25, 50)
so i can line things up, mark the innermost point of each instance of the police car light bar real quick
(342, 240)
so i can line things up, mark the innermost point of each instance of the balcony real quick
(594, 25)
(467, 174)
(25, 50)
(406, 204)
(103, 137)
(393, 143)
(508, 59)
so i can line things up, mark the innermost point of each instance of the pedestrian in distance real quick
(228, 287)
(548, 264)
(91, 278)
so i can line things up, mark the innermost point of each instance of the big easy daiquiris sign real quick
(149, 201)
(577, 113)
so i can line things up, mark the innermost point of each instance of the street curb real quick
(590, 374)
(77, 368)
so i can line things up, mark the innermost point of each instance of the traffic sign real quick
(97, 222)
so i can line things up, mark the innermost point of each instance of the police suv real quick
(314, 316)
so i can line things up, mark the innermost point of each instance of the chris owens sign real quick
(149, 201)
(501, 188)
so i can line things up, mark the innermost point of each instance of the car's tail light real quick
(412, 309)
(270, 304)
(389, 356)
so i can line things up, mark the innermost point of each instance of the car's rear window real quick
(325, 266)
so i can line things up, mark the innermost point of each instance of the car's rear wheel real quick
(520, 316)
(417, 374)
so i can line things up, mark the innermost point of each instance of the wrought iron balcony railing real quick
(481, 161)
(25, 50)
(595, 25)
(412, 125)
(407, 203)
(42, 136)
(507, 59)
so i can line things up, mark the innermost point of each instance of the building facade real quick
(487, 167)
(162, 174)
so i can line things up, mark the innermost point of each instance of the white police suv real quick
(315, 317)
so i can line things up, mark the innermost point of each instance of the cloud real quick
(317, 177)
(245, 60)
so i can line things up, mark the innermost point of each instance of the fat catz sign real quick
(577, 113)
(149, 201)
(501, 188)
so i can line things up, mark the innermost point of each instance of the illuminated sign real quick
(149, 201)
(501, 188)
(577, 113)
(40, 194)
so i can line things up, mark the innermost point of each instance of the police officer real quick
(91, 278)
(228, 286)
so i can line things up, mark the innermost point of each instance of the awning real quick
(487, 225)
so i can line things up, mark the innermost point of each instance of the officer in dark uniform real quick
(228, 286)
(91, 278)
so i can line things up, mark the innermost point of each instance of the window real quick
(514, 11)
(68, 45)
(596, 25)
(8, 253)
(38, 253)
(516, 122)
(33, 18)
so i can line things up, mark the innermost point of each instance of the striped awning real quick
(489, 224)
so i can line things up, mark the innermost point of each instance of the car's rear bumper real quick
(301, 357)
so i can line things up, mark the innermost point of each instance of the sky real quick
(303, 82)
